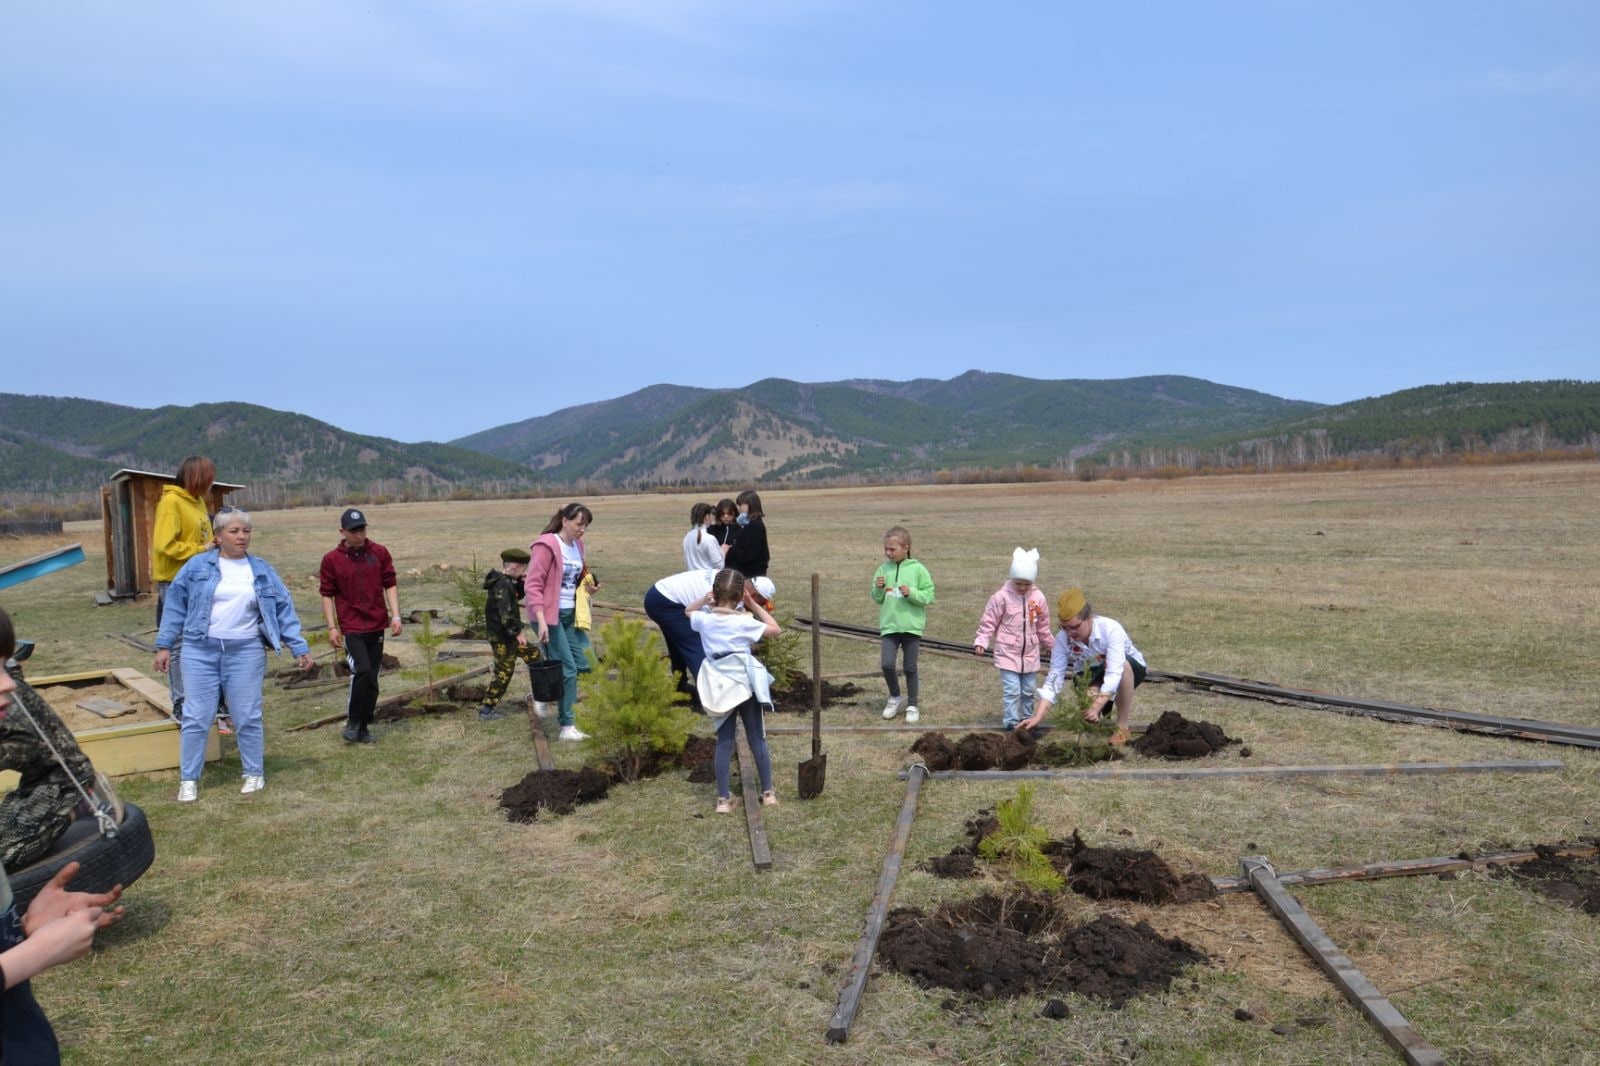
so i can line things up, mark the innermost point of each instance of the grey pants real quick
(911, 643)
(174, 671)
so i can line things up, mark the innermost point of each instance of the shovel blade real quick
(813, 774)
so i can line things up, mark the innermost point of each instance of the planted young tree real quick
(782, 655)
(473, 598)
(1017, 846)
(634, 706)
(430, 642)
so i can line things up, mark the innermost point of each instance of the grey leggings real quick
(910, 642)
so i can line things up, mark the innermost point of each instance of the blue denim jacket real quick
(187, 611)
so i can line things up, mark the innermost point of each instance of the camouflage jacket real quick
(38, 811)
(502, 617)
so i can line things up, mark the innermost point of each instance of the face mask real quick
(744, 520)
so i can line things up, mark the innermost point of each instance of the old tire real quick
(103, 861)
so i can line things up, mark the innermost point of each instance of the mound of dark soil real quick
(994, 947)
(394, 712)
(1172, 736)
(1005, 751)
(962, 860)
(796, 699)
(556, 791)
(696, 757)
(1125, 873)
(1573, 881)
(468, 692)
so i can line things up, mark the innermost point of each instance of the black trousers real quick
(363, 653)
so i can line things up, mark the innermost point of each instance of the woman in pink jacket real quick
(554, 570)
(1016, 622)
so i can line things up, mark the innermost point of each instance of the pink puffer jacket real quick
(1016, 629)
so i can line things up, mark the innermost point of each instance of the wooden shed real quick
(128, 510)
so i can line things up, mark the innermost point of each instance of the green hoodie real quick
(902, 614)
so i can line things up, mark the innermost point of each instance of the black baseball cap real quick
(352, 519)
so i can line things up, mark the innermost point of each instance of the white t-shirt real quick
(683, 589)
(704, 554)
(571, 570)
(720, 633)
(234, 612)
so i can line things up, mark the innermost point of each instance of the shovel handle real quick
(816, 665)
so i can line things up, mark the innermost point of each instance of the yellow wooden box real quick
(133, 747)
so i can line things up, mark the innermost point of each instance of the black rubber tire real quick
(104, 861)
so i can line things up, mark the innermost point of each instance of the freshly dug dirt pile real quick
(993, 947)
(696, 758)
(961, 861)
(470, 692)
(1005, 751)
(796, 699)
(1124, 873)
(556, 791)
(394, 712)
(1172, 736)
(1573, 881)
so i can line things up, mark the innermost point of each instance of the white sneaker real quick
(912, 714)
(541, 709)
(892, 708)
(253, 783)
(572, 732)
(188, 791)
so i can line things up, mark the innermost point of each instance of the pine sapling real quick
(1018, 844)
(634, 707)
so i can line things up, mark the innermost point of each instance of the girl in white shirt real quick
(701, 549)
(732, 683)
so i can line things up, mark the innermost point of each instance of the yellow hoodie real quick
(183, 530)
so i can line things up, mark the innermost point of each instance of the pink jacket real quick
(1017, 642)
(543, 583)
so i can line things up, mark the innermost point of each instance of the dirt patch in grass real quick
(1006, 751)
(796, 699)
(961, 861)
(555, 791)
(697, 756)
(1004, 946)
(394, 712)
(1573, 881)
(1172, 736)
(1125, 873)
(467, 692)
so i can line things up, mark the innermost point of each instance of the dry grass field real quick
(373, 906)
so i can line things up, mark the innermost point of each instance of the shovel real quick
(814, 771)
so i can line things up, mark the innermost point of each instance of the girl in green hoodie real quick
(902, 588)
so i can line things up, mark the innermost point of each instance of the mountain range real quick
(776, 431)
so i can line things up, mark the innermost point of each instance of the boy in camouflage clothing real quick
(503, 619)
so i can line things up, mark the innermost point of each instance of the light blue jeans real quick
(236, 669)
(1016, 692)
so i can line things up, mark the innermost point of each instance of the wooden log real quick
(750, 786)
(1526, 766)
(541, 750)
(1383, 1015)
(391, 701)
(855, 982)
(920, 727)
(1439, 864)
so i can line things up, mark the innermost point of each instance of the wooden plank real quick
(855, 982)
(1511, 766)
(1439, 864)
(750, 787)
(390, 701)
(1383, 1015)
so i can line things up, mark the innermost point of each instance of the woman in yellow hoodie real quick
(182, 531)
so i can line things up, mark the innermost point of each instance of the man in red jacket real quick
(360, 601)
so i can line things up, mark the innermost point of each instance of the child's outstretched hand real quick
(54, 901)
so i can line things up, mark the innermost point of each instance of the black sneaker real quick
(351, 734)
(365, 737)
(489, 714)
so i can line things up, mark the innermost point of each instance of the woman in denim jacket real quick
(225, 608)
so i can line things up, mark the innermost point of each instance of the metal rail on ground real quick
(1526, 766)
(1383, 1015)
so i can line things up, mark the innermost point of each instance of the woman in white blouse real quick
(701, 548)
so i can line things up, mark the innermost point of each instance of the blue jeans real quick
(1016, 691)
(756, 734)
(563, 648)
(232, 668)
(684, 649)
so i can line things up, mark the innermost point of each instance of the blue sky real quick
(421, 219)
